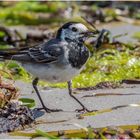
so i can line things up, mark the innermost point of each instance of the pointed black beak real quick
(84, 35)
(90, 33)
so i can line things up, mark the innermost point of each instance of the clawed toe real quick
(55, 110)
(83, 110)
(49, 110)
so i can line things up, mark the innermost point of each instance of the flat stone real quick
(127, 100)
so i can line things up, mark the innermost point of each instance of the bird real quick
(57, 60)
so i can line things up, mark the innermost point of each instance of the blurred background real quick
(26, 23)
(44, 12)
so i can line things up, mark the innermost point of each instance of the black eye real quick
(74, 29)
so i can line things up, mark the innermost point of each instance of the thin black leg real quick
(70, 93)
(34, 83)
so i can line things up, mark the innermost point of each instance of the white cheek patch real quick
(80, 27)
(68, 33)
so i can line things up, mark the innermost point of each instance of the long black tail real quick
(5, 55)
(11, 53)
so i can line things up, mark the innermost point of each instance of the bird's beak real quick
(90, 33)
(85, 35)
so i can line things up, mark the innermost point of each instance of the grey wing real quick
(41, 56)
(47, 52)
(44, 53)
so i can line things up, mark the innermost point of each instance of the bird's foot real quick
(48, 110)
(84, 109)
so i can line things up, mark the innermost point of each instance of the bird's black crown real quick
(65, 26)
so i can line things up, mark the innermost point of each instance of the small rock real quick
(14, 116)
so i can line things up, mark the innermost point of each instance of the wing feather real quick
(47, 52)
(42, 56)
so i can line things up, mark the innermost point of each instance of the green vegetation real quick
(44, 12)
(137, 35)
(118, 132)
(30, 13)
(27, 102)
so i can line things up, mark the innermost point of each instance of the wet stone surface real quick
(115, 107)
(14, 116)
(118, 106)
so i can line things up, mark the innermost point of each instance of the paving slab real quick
(123, 105)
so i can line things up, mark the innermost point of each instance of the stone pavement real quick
(125, 101)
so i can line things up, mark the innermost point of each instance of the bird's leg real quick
(34, 83)
(70, 93)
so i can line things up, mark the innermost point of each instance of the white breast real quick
(52, 73)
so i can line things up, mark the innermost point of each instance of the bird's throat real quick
(78, 55)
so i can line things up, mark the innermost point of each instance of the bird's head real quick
(73, 31)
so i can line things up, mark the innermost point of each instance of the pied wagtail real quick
(58, 60)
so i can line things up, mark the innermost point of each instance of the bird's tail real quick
(18, 54)
(6, 54)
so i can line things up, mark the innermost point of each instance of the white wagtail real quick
(58, 60)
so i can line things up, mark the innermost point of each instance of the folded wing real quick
(44, 53)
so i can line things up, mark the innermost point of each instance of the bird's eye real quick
(74, 29)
